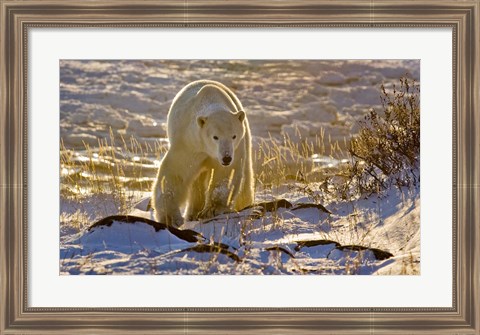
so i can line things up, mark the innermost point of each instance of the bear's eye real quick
(215, 138)
(234, 136)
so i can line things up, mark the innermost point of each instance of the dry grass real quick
(116, 170)
(389, 142)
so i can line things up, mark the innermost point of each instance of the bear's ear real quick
(201, 121)
(241, 115)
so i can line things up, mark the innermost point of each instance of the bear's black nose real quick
(226, 160)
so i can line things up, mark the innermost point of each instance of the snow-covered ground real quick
(371, 236)
(126, 102)
(281, 97)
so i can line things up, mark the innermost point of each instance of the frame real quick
(18, 16)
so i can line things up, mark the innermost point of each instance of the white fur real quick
(210, 175)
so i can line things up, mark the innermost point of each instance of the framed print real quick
(233, 167)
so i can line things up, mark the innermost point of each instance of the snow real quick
(133, 96)
(377, 235)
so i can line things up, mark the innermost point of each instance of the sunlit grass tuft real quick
(111, 168)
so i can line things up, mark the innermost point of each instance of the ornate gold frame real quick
(18, 16)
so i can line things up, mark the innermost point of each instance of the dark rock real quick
(379, 254)
(277, 248)
(186, 235)
(270, 206)
(317, 206)
(215, 248)
(314, 243)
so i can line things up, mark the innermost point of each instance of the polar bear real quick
(208, 166)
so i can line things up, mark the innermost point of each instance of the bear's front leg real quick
(196, 197)
(168, 194)
(219, 199)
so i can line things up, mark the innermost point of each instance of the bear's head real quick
(221, 132)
